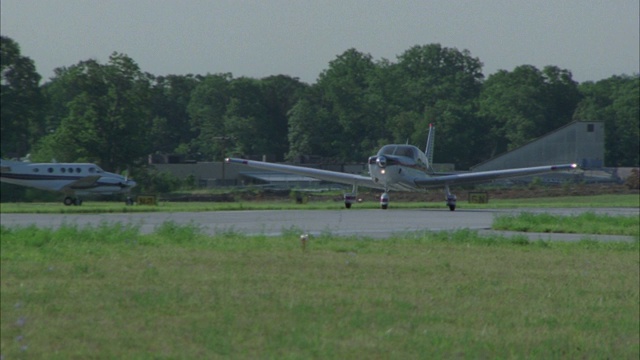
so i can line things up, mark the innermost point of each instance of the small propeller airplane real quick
(402, 168)
(72, 179)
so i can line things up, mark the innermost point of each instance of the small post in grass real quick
(304, 238)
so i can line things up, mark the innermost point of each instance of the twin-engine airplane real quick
(72, 179)
(402, 168)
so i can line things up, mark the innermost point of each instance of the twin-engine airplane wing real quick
(86, 182)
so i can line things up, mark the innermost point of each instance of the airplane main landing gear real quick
(72, 201)
(350, 198)
(451, 199)
(451, 202)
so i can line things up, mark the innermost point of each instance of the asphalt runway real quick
(354, 222)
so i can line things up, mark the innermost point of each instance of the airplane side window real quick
(50, 170)
(92, 170)
(78, 170)
(63, 170)
(36, 170)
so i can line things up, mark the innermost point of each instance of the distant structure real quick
(581, 142)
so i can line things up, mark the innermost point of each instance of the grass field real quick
(112, 292)
(119, 207)
(586, 223)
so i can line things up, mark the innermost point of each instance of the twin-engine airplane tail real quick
(403, 168)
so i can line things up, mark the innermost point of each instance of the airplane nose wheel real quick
(384, 200)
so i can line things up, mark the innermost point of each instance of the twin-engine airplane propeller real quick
(402, 168)
(72, 179)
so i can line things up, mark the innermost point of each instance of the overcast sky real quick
(593, 39)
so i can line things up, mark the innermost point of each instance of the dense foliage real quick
(115, 114)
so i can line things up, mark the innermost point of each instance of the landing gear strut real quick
(451, 199)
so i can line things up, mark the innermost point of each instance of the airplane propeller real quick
(381, 161)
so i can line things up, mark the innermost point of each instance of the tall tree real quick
(312, 129)
(615, 101)
(21, 100)
(171, 131)
(280, 94)
(346, 87)
(206, 109)
(526, 103)
(107, 115)
(442, 85)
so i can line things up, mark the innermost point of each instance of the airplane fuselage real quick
(69, 178)
(396, 166)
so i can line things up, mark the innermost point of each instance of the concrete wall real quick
(579, 142)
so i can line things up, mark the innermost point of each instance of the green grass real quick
(112, 292)
(119, 207)
(586, 223)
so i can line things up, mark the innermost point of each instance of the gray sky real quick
(593, 39)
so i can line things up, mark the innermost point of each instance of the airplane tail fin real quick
(429, 150)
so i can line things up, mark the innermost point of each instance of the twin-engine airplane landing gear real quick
(72, 201)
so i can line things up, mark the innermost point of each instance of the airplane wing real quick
(486, 176)
(82, 183)
(326, 175)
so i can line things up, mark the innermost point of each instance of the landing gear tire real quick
(349, 198)
(384, 201)
(451, 199)
(69, 201)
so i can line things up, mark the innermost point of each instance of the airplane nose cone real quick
(381, 161)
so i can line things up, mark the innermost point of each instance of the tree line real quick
(115, 114)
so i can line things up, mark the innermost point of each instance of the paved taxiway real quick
(355, 222)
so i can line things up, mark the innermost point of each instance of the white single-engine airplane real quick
(402, 168)
(73, 179)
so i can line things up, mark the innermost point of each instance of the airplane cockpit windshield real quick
(400, 150)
